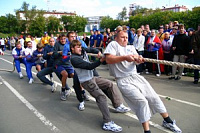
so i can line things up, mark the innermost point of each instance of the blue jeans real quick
(196, 71)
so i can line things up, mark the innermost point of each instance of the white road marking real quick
(42, 118)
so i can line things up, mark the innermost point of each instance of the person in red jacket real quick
(153, 47)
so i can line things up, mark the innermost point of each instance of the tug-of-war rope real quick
(164, 62)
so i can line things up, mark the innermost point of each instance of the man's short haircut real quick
(124, 27)
(75, 43)
(62, 35)
(18, 43)
(133, 29)
(39, 46)
(69, 33)
(181, 26)
(139, 29)
(28, 42)
(117, 34)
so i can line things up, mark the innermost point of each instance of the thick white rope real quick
(164, 62)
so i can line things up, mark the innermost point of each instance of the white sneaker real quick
(68, 92)
(173, 127)
(111, 126)
(20, 75)
(31, 81)
(53, 87)
(157, 75)
(122, 109)
(81, 106)
(51, 79)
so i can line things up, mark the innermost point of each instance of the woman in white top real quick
(139, 46)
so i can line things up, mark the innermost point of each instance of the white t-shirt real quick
(124, 68)
(29, 51)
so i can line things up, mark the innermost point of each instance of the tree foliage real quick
(123, 14)
(188, 18)
(74, 23)
(52, 24)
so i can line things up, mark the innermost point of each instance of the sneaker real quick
(20, 75)
(122, 109)
(86, 97)
(63, 95)
(51, 79)
(67, 92)
(157, 75)
(171, 77)
(31, 81)
(178, 78)
(53, 87)
(81, 106)
(1, 83)
(147, 72)
(172, 126)
(111, 126)
(196, 82)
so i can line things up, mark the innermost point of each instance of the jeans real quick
(41, 75)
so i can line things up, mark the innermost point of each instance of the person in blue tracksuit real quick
(19, 57)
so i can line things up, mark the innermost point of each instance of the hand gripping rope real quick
(164, 62)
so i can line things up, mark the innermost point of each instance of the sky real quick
(89, 8)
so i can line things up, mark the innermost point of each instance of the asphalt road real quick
(33, 108)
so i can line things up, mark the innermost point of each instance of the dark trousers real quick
(140, 66)
(41, 75)
(168, 57)
(96, 87)
(196, 71)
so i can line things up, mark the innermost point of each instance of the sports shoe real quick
(122, 109)
(171, 77)
(157, 75)
(51, 79)
(111, 126)
(20, 75)
(86, 97)
(63, 95)
(67, 92)
(178, 78)
(31, 81)
(53, 87)
(196, 82)
(81, 106)
(172, 126)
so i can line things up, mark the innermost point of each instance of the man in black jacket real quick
(180, 47)
(196, 50)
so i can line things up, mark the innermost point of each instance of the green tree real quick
(38, 26)
(52, 24)
(74, 23)
(12, 23)
(3, 27)
(122, 14)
